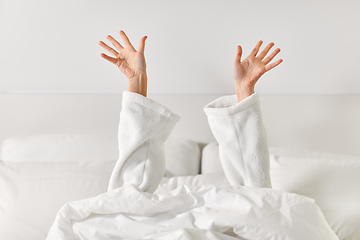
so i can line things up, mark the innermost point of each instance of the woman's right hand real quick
(130, 62)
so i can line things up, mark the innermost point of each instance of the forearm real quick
(240, 132)
(138, 84)
(143, 129)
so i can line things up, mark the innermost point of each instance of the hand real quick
(129, 61)
(248, 72)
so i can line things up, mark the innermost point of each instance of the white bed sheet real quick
(206, 212)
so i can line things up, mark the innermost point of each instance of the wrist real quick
(243, 92)
(138, 84)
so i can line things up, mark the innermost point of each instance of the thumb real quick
(238, 54)
(142, 45)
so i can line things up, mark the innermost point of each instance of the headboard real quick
(327, 123)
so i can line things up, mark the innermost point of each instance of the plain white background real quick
(51, 46)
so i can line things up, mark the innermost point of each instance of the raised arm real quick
(247, 72)
(144, 124)
(130, 62)
(236, 122)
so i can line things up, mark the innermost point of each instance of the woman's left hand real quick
(247, 72)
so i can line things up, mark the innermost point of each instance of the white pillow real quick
(33, 192)
(182, 155)
(333, 183)
(210, 160)
(60, 147)
(42, 173)
(333, 180)
(288, 152)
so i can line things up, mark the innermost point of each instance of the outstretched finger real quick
(109, 49)
(142, 45)
(110, 59)
(238, 54)
(271, 66)
(272, 55)
(116, 44)
(126, 40)
(266, 50)
(256, 48)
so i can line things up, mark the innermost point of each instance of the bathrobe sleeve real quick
(143, 129)
(243, 149)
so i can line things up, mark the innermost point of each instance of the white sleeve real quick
(243, 149)
(143, 129)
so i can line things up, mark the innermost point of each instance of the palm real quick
(128, 60)
(248, 71)
(130, 63)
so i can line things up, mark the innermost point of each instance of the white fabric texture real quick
(60, 148)
(239, 130)
(330, 179)
(332, 183)
(31, 193)
(182, 157)
(143, 129)
(217, 179)
(304, 153)
(210, 212)
(43, 187)
(205, 212)
(210, 159)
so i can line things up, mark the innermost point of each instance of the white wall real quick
(51, 46)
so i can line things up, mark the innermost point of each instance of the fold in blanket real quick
(189, 212)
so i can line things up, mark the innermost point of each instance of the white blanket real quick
(130, 210)
(193, 213)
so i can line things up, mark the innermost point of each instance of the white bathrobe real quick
(130, 210)
(145, 125)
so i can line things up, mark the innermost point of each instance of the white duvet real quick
(204, 212)
(131, 209)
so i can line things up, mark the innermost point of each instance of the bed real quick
(60, 154)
